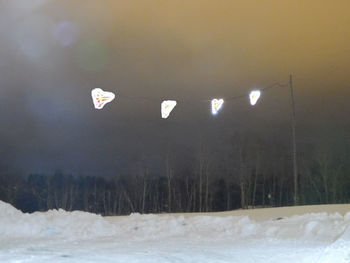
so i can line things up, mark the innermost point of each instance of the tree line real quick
(248, 172)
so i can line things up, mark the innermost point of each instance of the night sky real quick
(53, 53)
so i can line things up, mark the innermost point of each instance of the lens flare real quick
(166, 107)
(254, 97)
(100, 98)
(66, 33)
(33, 36)
(92, 56)
(216, 105)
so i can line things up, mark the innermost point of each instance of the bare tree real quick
(169, 171)
(203, 174)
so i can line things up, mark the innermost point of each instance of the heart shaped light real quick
(254, 96)
(216, 105)
(166, 107)
(101, 98)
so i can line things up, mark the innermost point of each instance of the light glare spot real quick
(166, 107)
(216, 105)
(101, 98)
(254, 96)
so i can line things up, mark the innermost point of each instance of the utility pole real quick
(294, 147)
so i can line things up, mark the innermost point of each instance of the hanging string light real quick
(100, 98)
(166, 107)
(254, 97)
(216, 105)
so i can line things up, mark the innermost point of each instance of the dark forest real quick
(246, 173)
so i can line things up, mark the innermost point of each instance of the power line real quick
(157, 99)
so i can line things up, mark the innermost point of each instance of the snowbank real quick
(80, 225)
(309, 227)
(15, 224)
(61, 236)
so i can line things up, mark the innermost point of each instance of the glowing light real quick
(254, 96)
(101, 98)
(166, 107)
(216, 105)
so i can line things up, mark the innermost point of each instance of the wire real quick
(274, 85)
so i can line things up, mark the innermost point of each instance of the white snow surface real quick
(295, 234)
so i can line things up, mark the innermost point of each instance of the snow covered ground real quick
(293, 234)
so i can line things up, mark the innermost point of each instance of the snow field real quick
(62, 236)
